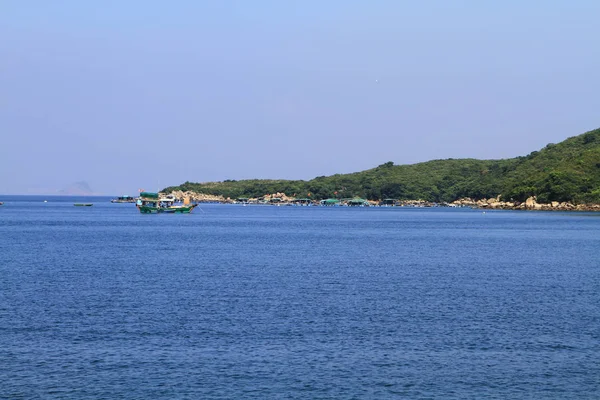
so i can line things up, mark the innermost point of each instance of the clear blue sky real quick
(145, 94)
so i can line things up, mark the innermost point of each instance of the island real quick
(562, 176)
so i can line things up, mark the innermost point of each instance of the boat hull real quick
(166, 210)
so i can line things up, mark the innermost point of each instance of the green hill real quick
(567, 171)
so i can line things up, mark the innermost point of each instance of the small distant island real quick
(565, 175)
(81, 188)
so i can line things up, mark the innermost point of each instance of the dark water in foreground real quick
(293, 302)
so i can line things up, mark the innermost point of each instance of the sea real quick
(267, 302)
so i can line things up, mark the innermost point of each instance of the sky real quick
(143, 94)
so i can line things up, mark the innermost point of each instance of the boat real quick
(83, 204)
(1, 203)
(123, 199)
(152, 203)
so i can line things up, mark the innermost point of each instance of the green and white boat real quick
(152, 203)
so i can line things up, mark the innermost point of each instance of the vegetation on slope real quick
(568, 171)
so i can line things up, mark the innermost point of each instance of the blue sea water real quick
(296, 302)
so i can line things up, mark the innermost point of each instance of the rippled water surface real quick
(296, 302)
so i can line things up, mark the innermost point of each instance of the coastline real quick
(280, 199)
(494, 203)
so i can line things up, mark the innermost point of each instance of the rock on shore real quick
(529, 204)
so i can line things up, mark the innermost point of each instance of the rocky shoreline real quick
(494, 203)
(529, 204)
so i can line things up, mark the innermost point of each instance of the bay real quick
(296, 302)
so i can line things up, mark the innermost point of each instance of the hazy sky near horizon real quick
(143, 94)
